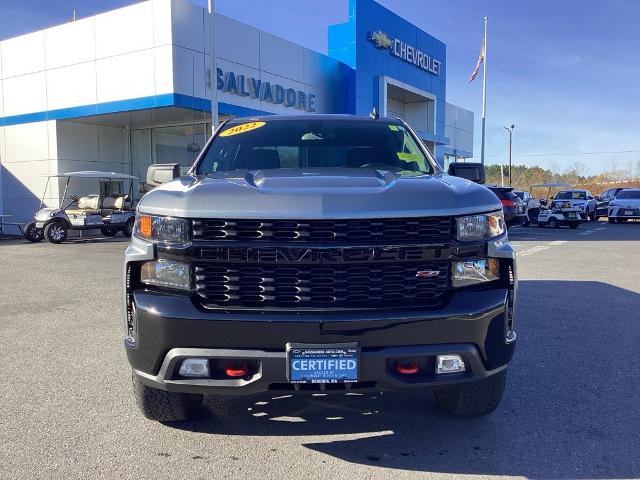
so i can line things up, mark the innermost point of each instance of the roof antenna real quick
(374, 114)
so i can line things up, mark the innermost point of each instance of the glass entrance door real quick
(171, 144)
(178, 144)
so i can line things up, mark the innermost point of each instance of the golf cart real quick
(555, 214)
(110, 211)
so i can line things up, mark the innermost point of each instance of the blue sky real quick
(566, 73)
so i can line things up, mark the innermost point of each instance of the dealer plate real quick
(331, 363)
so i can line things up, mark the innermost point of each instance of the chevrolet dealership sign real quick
(405, 52)
(244, 86)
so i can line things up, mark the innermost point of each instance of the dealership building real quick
(130, 87)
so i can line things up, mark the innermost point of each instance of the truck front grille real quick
(322, 287)
(370, 231)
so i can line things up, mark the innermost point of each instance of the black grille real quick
(370, 231)
(294, 287)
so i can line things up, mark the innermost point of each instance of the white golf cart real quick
(110, 211)
(556, 214)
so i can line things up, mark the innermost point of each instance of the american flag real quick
(478, 63)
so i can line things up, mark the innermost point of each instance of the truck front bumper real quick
(171, 328)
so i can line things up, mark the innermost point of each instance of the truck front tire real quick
(165, 406)
(474, 399)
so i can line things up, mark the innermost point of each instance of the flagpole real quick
(484, 89)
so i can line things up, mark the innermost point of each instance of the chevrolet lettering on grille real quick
(324, 255)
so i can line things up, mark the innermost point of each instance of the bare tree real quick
(576, 172)
(555, 170)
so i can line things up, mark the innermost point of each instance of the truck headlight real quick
(473, 272)
(162, 229)
(166, 273)
(480, 227)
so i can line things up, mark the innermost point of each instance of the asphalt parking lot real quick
(571, 408)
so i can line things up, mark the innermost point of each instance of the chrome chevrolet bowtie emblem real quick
(427, 273)
(380, 39)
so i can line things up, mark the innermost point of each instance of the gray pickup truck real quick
(319, 253)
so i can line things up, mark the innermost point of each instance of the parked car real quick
(581, 199)
(523, 197)
(511, 205)
(625, 206)
(602, 207)
(353, 263)
(111, 213)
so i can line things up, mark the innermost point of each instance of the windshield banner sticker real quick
(409, 157)
(245, 127)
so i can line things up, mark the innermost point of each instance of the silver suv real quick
(313, 254)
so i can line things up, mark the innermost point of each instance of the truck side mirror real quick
(160, 173)
(471, 171)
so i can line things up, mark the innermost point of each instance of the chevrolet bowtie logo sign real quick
(380, 39)
(404, 52)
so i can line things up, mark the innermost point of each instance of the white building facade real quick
(130, 87)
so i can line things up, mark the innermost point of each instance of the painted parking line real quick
(554, 243)
(532, 250)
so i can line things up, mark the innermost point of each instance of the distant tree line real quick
(523, 176)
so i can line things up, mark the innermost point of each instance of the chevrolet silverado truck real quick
(318, 254)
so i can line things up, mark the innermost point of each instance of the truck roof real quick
(311, 117)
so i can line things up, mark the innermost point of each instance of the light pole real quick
(510, 130)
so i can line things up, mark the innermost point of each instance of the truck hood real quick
(316, 194)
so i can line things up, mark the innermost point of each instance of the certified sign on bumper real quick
(322, 363)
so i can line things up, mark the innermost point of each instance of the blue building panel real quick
(379, 44)
(341, 45)
(347, 88)
(364, 106)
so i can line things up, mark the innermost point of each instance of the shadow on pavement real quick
(98, 239)
(570, 411)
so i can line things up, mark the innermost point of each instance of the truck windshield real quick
(303, 144)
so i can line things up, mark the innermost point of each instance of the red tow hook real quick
(407, 368)
(236, 370)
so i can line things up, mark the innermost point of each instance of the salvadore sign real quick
(265, 91)
(405, 52)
